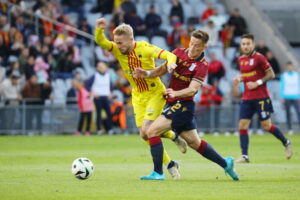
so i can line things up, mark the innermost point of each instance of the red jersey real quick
(252, 69)
(187, 70)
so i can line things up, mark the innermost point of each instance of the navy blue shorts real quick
(263, 107)
(182, 115)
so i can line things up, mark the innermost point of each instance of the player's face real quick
(247, 46)
(196, 47)
(124, 43)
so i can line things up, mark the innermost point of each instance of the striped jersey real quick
(142, 56)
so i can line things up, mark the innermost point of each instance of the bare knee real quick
(244, 124)
(266, 127)
(143, 134)
(193, 144)
(152, 132)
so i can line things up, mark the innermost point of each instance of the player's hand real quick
(139, 73)
(170, 93)
(252, 85)
(101, 23)
(236, 80)
(171, 67)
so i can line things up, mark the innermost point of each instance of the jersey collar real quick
(200, 58)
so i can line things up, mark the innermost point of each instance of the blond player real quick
(147, 93)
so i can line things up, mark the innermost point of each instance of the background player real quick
(255, 72)
(147, 93)
(185, 81)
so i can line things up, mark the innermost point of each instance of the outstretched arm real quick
(158, 71)
(100, 37)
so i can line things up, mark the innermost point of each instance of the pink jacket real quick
(85, 102)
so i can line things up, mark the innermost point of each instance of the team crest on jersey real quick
(192, 67)
(251, 61)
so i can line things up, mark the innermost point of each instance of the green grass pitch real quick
(39, 167)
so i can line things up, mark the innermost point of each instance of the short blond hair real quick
(124, 29)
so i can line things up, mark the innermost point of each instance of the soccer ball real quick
(82, 168)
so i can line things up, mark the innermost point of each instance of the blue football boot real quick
(230, 169)
(154, 176)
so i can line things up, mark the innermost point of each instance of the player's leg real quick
(287, 105)
(244, 140)
(154, 109)
(207, 151)
(265, 108)
(247, 111)
(140, 108)
(98, 106)
(159, 126)
(80, 124)
(88, 122)
(297, 108)
(268, 126)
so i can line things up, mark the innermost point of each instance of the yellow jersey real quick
(142, 56)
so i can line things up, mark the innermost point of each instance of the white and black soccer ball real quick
(82, 168)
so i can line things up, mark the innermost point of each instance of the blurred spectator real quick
(40, 68)
(103, 6)
(153, 22)
(238, 23)
(211, 98)
(23, 59)
(86, 106)
(209, 11)
(117, 17)
(73, 50)
(31, 93)
(218, 19)
(274, 63)
(10, 90)
(72, 92)
(29, 67)
(185, 38)
(65, 20)
(176, 13)
(104, 55)
(136, 22)
(100, 86)
(2, 74)
(173, 39)
(4, 25)
(261, 47)
(128, 7)
(4, 47)
(216, 69)
(118, 114)
(226, 37)
(213, 33)
(290, 93)
(73, 6)
(34, 45)
(83, 25)
(46, 90)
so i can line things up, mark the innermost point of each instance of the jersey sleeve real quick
(159, 53)
(200, 73)
(102, 41)
(264, 63)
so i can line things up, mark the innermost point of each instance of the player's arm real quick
(268, 76)
(159, 53)
(158, 71)
(100, 37)
(187, 92)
